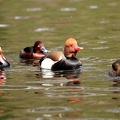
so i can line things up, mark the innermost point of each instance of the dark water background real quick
(26, 93)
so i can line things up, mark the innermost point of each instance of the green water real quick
(26, 93)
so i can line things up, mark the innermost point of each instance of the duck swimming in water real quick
(58, 60)
(34, 52)
(3, 61)
(115, 69)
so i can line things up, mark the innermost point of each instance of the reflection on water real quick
(93, 7)
(68, 9)
(2, 77)
(27, 62)
(33, 9)
(42, 29)
(21, 17)
(71, 75)
(116, 110)
(4, 25)
(66, 73)
(116, 81)
(2, 81)
(50, 109)
(47, 112)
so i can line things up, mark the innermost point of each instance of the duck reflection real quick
(72, 93)
(30, 62)
(116, 82)
(2, 77)
(114, 73)
(71, 75)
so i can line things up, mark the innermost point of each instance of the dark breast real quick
(68, 64)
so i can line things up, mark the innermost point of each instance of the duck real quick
(58, 60)
(115, 68)
(36, 52)
(3, 61)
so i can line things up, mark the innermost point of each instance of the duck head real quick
(71, 48)
(39, 47)
(116, 67)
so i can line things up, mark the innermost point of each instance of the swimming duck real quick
(34, 52)
(58, 60)
(3, 61)
(115, 69)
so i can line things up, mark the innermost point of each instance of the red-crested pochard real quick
(58, 60)
(34, 52)
(3, 61)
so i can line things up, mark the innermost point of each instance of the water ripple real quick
(12, 87)
(42, 29)
(21, 17)
(93, 7)
(100, 48)
(68, 9)
(66, 92)
(65, 89)
(4, 25)
(50, 109)
(115, 110)
(104, 22)
(101, 42)
(33, 9)
(112, 4)
(95, 119)
(103, 89)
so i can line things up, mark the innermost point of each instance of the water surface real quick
(28, 93)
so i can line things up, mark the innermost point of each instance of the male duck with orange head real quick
(34, 52)
(3, 61)
(57, 60)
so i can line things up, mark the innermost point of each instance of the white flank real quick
(47, 63)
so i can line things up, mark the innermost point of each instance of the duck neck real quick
(69, 53)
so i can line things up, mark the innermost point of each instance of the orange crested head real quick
(70, 41)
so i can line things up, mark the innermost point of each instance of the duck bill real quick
(77, 48)
(44, 50)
